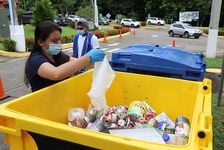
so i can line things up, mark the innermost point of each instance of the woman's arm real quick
(48, 71)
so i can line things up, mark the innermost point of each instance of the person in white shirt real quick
(83, 41)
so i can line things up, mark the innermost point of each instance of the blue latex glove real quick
(96, 55)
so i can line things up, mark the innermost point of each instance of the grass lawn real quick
(213, 62)
(217, 112)
(218, 126)
(66, 31)
(1, 47)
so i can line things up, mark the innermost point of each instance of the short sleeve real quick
(94, 42)
(34, 63)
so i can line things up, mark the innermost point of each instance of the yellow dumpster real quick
(45, 111)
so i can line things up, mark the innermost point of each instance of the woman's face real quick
(53, 38)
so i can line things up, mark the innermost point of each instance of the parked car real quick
(27, 17)
(184, 30)
(73, 18)
(155, 21)
(61, 20)
(130, 23)
(103, 21)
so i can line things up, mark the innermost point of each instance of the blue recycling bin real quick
(159, 60)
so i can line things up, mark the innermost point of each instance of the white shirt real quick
(81, 39)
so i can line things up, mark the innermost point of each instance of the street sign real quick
(108, 15)
(189, 16)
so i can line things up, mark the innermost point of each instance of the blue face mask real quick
(81, 32)
(54, 49)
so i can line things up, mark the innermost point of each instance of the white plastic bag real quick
(103, 76)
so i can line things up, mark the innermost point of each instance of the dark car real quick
(103, 21)
(27, 17)
(61, 21)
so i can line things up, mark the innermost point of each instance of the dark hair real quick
(42, 31)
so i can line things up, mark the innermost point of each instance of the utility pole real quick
(213, 28)
(16, 31)
(96, 13)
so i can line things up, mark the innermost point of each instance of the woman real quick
(47, 65)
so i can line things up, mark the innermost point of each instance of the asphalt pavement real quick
(12, 69)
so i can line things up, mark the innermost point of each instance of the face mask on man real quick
(54, 49)
(81, 32)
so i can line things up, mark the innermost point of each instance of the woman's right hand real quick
(96, 55)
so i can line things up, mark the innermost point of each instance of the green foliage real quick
(213, 62)
(43, 10)
(217, 125)
(66, 39)
(220, 33)
(9, 45)
(100, 33)
(19, 11)
(86, 12)
(143, 23)
(29, 44)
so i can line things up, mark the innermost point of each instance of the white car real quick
(155, 21)
(130, 23)
(73, 18)
(184, 30)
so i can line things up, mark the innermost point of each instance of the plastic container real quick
(159, 60)
(45, 111)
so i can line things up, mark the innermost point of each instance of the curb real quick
(219, 37)
(64, 47)
(150, 27)
(214, 70)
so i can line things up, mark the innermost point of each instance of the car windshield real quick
(133, 20)
(188, 26)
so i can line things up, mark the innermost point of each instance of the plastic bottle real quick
(182, 130)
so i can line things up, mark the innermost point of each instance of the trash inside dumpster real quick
(140, 120)
(186, 103)
(159, 60)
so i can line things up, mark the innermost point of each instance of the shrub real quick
(85, 12)
(72, 24)
(66, 39)
(43, 10)
(9, 45)
(220, 33)
(29, 44)
(143, 23)
(113, 32)
(117, 27)
(98, 34)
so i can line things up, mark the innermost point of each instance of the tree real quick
(43, 10)
(86, 12)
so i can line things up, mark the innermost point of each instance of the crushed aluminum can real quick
(149, 115)
(121, 123)
(113, 125)
(142, 120)
(121, 112)
(113, 117)
(133, 118)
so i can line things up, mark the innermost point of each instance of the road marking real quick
(154, 35)
(113, 44)
(112, 50)
(105, 49)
